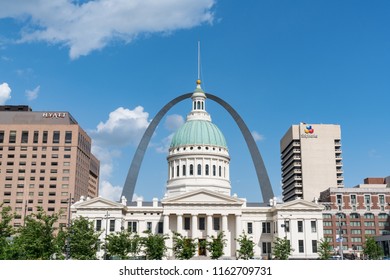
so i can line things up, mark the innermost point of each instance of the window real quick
(199, 169)
(12, 137)
(177, 171)
(44, 137)
(356, 239)
(369, 231)
(328, 231)
(301, 247)
(1, 136)
(112, 225)
(354, 224)
(266, 248)
(35, 137)
(313, 226)
(314, 246)
(191, 169)
(353, 199)
(220, 171)
(202, 222)
(132, 226)
(216, 224)
(369, 216)
(149, 226)
(187, 223)
(367, 202)
(327, 216)
(184, 170)
(266, 226)
(207, 170)
(356, 231)
(214, 170)
(56, 137)
(160, 227)
(300, 226)
(68, 137)
(369, 224)
(354, 216)
(24, 137)
(286, 226)
(98, 225)
(250, 228)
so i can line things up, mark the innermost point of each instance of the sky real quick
(113, 64)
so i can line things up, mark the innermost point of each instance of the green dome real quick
(198, 132)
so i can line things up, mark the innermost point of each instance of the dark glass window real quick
(12, 137)
(187, 223)
(202, 223)
(44, 137)
(24, 137)
(216, 223)
(160, 227)
(112, 225)
(191, 169)
(98, 225)
(207, 170)
(68, 137)
(35, 137)
(199, 169)
(184, 170)
(2, 136)
(250, 228)
(56, 137)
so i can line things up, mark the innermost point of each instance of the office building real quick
(311, 160)
(45, 160)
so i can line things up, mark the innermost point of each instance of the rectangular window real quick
(132, 226)
(1, 136)
(266, 248)
(68, 137)
(98, 225)
(44, 137)
(202, 223)
(367, 202)
(187, 223)
(353, 199)
(314, 246)
(250, 228)
(300, 226)
(56, 137)
(160, 227)
(112, 225)
(216, 223)
(149, 226)
(301, 247)
(266, 226)
(35, 137)
(313, 226)
(381, 199)
(24, 137)
(12, 137)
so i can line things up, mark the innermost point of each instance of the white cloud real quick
(5, 93)
(163, 147)
(108, 191)
(123, 127)
(173, 122)
(33, 94)
(257, 136)
(92, 25)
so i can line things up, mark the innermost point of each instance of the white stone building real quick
(198, 201)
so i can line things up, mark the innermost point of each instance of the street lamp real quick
(70, 201)
(105, 239)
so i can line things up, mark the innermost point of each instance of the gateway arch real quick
(261, 172)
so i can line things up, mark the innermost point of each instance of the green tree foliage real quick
(282, 248)
(372, 249)
(324, 249)
(123, 244)
(83, 239)
(183, 247)
(247, 246)
(6, 231)
(36, 239)
(153, 246)
(216, 245)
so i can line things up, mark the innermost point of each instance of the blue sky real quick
(114, 64)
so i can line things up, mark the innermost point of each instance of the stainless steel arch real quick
(261, 172)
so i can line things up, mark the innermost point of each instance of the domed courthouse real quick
(198, 202)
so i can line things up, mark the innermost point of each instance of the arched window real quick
(369, 216)
(194, 105)
(191, 169)
(172, 172)
(354, 216)
(220, 171)
(184, 170)
(202, 105)
(177, 171)
(214, 170)
(199, 169)
(207, 169)
(198, 104)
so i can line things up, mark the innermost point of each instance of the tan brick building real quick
(45, 159)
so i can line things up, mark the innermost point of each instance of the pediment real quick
(299, 204)
(202, 197)
(99, 203)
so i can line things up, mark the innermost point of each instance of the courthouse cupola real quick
(198, 154)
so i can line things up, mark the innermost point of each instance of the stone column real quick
(226, 233)
(179, 223)
(209, 225)
(238, 230)
(194, 229)
(168, 232)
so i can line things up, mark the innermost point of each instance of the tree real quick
(6, 231)
(215, 246)
(324, 249)
(282, 248)
(122, 244)
(36, 239)
(183, 247)
(246, 250)
(153, 246)
(372, 249)
(83, 239)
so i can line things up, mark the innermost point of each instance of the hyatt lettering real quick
(54, 115)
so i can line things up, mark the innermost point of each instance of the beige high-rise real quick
(311, 160)
(45, 159)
